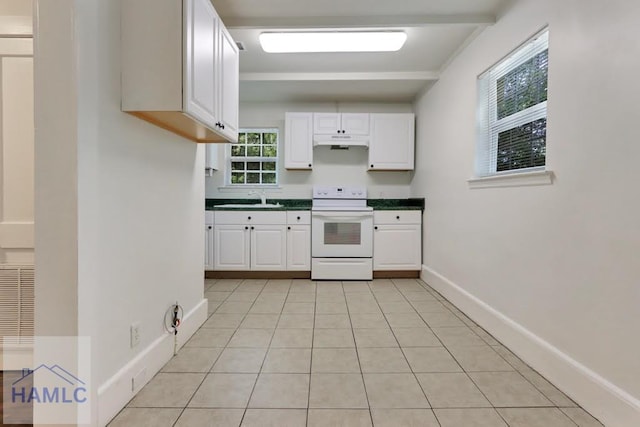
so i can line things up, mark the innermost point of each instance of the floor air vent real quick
(16, 300)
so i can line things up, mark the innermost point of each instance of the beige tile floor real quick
(289, 353)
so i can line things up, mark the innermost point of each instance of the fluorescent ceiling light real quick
(333, 41)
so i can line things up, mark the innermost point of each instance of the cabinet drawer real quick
(397, 217)
(250, 217)
(298, 217)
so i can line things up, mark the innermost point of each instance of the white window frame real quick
(230, 159)
(489, 126)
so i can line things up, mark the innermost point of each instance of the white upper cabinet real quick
(180, 68)
(391, 145)
(228, 84)
(355, 123)
(326, 123)
(201, 37)
(298, 144)
(341, 123)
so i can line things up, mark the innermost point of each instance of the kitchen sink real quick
(248, 206)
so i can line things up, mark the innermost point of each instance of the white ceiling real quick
(436, 30)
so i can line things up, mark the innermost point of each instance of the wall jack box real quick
(135, 334)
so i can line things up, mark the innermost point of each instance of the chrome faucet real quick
(262, 194)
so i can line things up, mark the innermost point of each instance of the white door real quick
(355, 124)
(201, 29)
(268, 247)
(16, 151)
(342, 234)
(299, 247)
(391, 146)
(231, 247)
(208, 247)
(298, 141)
(229, 61)
(326, 123)
(397, 247)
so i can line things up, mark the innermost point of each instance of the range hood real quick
(341, 140)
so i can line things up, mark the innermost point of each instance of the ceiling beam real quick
(308, 22)
(305, 77)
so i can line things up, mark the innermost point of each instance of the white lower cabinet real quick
(231, 249)
(299, 247)
(262, 240)
(208, 247)
(253, 240)
(299, 240)
(268, 247)
(208, 240)
(397, 240)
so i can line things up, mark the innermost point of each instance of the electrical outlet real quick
(135, 334)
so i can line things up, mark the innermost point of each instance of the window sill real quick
(516, 179)
(241, 188)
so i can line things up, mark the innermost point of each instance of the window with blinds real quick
(512, 111)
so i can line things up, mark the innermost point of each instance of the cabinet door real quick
(391, 146)
(268, 247)
(326, 123)
(212, 157)
(228, 60)
(208, 247)
(355, 124)
(397, 247)
(201, 30)
(231, 247)
(299, 247)
(298, 141)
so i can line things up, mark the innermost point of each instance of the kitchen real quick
(473, 252)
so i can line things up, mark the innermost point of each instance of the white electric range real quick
(341, 234)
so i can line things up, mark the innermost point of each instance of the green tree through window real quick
(513, 110)
(254, 158)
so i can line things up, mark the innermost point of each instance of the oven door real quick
(342, 234)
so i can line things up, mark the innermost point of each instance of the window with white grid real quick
(253, 160)
(512, 111)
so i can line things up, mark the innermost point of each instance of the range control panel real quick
(339, 192)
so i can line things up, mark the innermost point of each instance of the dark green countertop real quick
(305, 204)
(287, 204)
(396, 204)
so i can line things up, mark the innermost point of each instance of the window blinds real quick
(512, 111)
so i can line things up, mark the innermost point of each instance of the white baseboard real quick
(610, 404)
(114, 393)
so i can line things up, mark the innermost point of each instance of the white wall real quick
(330, 167)
(561, 261)
(129, 195)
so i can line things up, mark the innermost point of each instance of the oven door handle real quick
(341, 217)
